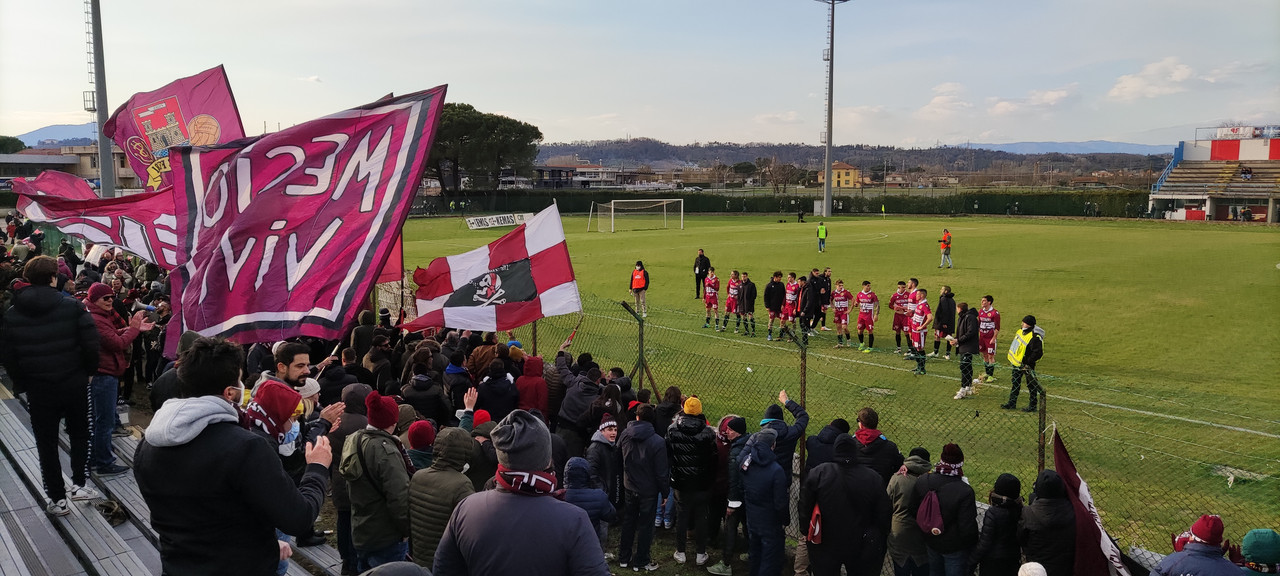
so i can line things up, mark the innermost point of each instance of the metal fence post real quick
(642, 363)
(803, 341)
(1044, 416)
(534, 329)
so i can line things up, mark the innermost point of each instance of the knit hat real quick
(99, 291)
(187, 340)
(1032, 569)
(514, 344)
(1261, 551)
(921, 452)
(381, 410)
(738, 425)
(480, 417)
(421, 435)
(606, 421)
(522, 442)
(773, 412)
(766, 436)
(952, 454)
(277, 401)
(1009, 486)
(1029, 320)
(310, 387)
(1207, 530)
(516, 354)
(693, 406)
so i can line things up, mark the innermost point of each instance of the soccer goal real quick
(621, 215)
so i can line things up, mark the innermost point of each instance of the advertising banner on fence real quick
(285, 235)
(514, 280)
(497, 221)
(1235, 132)
(193, 111)
(141, 223)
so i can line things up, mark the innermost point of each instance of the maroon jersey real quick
(922, 311)
(793, 293)
(988, 322)
(712, 287)
(733, 289)
(899, 302)
(840, 301)
(867, 303)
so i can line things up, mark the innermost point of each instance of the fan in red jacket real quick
(115, 337)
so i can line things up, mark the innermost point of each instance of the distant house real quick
(896, 181)
(842, 176)
(1086, 182)
(554, 177)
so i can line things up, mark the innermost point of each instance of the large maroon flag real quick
(285, 234)
(514, 280)
(143, 224)
(1095, 552)
(193, 111)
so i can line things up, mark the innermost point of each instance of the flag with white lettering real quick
(197, 110)
(285, 234)
(140, 223)
(514, 280)
(1096, 553)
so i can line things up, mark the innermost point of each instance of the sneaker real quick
(897, 350)
(959, 395)
(650, 567)
(866, 350)
(59, 508)
(701, 559)
(622, 564)
(976, 381)
(644, 315)
(825, 329)
(1007, 406)
(1031, 408)
(838, 346)
(947, 357)
(79, 493)
(668, 524)
(933, 354)
(657, 522)
(110, 470)
(735, 330)
(121, 431)
(706, 325)
(608, 556)
(679, 556)
(720, 569)
(769, 337)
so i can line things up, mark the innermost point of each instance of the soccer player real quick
(913, 298)
(988, 332)
(747, 303)
(731, 303)
(712, 290)
(789, 308)
(921, 318)
(868, 312)
(825, 295)
(774, 298)
(840, 312)
(945, 246)
(898, 302)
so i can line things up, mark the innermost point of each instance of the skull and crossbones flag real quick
(514, 280)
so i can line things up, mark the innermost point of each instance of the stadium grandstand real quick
(1232, 174)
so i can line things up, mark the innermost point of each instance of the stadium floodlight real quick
(647, 214)
(830, 56)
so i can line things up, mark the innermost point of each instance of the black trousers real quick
(693, 508)
(48, 408)
(698, 280)
(730, 533)
(1033, 385)
(966, 370)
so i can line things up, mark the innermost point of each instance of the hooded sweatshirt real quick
(532, 387)
(905, 538)
(764, 485)
(855, 510)
(498, 395)
(1047, 530)
(436, 491)
(580, 493)
(214, 486)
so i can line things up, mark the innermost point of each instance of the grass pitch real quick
(1159, 356)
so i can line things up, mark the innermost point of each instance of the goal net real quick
(621, 215)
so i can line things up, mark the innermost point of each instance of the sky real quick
(911, 73)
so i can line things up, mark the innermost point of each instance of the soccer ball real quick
(749, 369)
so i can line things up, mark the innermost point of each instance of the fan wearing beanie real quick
(520, 528)
(422, 435)
(998, 552)
(1048, 527)
(377, 471)
(1202, 554)
(1261, 551)
(691, 446)
(956, 507)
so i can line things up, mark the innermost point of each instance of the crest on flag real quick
(514, 280)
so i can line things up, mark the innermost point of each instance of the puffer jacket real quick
(48, 342)
(579, 492)
(967, 332)
(436, 491)
(691, 450)
(555, 392)
(998, 538)
(959, 512)
(457, 381)
(666, 413)
(736, 446)
(944, 316)
(498, 395)
(906, 541)
(532, 387)
(115, 338)
(378, 482)
(602, 466)
(645, 469)
(1047, 530)
(855, 511)
(1197, 558)
(821, 447)
(427, 396)
(764, 489)
(785, 446)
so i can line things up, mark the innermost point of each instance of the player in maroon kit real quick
(868, 312)
(789, 311)
(840, 313)
(913, 298)
(711, 288)
(988, 332)
(731, 303)
(921, 319)
(898, 302)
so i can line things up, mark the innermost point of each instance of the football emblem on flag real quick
(203, 130)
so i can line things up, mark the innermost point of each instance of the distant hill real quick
(60, 132)
(1089, 147)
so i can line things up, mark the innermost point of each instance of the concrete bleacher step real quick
(29, 542)
(95, 542)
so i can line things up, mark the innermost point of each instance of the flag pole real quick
(535, 337)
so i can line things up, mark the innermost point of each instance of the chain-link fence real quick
(1150, 474)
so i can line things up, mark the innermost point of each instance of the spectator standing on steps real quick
(1026, 350)
(1047, 529)
(115, 337)
(639, 286)
(701, 265)
(855, 511)
(376, 469)
(49, 346)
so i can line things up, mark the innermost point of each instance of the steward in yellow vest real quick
(1024, 352)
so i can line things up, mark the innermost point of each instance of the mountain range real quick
(1088, 147)
(60, 132)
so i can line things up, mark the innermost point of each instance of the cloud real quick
(1037, 101)
(1235, 71)
(606, 118)
(1167, 76)
(945, 104)
(779, 118)
(315, 79)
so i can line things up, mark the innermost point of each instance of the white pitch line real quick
(1054, 396)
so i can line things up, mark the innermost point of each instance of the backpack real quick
(929, 515)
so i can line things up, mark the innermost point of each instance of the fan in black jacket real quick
(998, 552)
(855, 513)
(691, 449)
(1047, 530)
(775, 294)
(966, 341)
(944, 320)
(747, 304)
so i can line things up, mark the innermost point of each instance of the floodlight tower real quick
(830, 56)
(96, 101)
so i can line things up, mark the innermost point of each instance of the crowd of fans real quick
(459, 453)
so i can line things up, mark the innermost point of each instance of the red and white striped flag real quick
(514, 280)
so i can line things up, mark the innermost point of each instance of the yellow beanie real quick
(693, 406)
